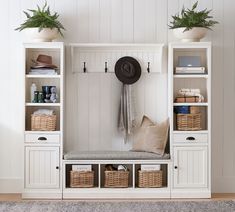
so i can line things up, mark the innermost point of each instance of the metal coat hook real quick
(106, 67)
(148, 68)
(84, 67)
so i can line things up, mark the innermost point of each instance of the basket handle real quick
(190, 138)
(42, 138)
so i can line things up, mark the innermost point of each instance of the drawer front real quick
(42, 138)
(190, 138)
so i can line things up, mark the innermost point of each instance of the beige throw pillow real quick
(151, 137)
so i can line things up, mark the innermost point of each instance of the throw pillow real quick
(151, 137)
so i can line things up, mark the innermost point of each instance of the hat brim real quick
(124, 78)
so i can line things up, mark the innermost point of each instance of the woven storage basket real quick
(194, 109)
(189, 121)
(43, 122)
(150, 179)
(116, 179)
(81, 179)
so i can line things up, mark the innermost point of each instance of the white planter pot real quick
(193, 35)
(45, 35)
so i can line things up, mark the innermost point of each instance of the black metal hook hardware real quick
(148, 68)
(84, 67)
(105, 67)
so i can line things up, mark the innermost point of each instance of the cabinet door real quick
(42, 167)
(190, 167)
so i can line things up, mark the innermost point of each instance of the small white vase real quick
(45, 35)
(193, 35)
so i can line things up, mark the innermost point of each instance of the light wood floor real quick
(17, 197)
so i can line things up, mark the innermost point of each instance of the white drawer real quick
(42, 138)
(190, 138)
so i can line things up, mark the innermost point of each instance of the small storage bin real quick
(81, 179)
(43, 122)
(149, 179)
(116, 179)
(194, 109)
(189, 121)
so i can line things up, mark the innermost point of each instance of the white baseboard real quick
(13, 185)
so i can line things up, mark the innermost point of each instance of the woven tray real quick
(43, 122)
(150, 179)
(116, 179)
(81, 179)
(189, 121)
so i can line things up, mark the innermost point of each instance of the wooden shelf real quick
(205, 76)
(190, 132)
(43, 76)
(191, 104)
(42, 104)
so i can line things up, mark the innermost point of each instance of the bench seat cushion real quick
(113, 155)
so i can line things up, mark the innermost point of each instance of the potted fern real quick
(191, 25)
(42, 25)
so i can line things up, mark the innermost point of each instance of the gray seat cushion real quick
(113, 155)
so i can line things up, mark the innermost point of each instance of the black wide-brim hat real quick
(127, 70)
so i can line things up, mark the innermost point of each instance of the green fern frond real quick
(190, 18)
(42, 18)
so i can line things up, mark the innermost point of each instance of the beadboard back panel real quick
(115, 21)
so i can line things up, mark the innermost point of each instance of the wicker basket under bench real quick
(149, 179)
(81, 179)
(116, 179)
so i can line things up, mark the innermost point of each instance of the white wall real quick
(116, 21)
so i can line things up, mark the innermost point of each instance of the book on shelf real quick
(152, 167)
(82, 168)
(190, 70)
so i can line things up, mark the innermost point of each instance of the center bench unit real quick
(102, 177)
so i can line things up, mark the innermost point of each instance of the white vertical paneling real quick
(172, 10)
(105, 112)
(116, 20)
(139, 21)
(82, 22)
(94, 21)
(68, 16)
(127, 21)
(217, 96)
(105, 21)
(161, 21)
(229, 133)
(94, 112)
(150, 21)
(82, 113)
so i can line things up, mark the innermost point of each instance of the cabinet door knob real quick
(42, 138)
(190, 138)
(176, 167)
(57, 167)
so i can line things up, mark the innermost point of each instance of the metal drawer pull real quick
(190, 138)
(176, 167)
(57, 167)
(42, 138)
